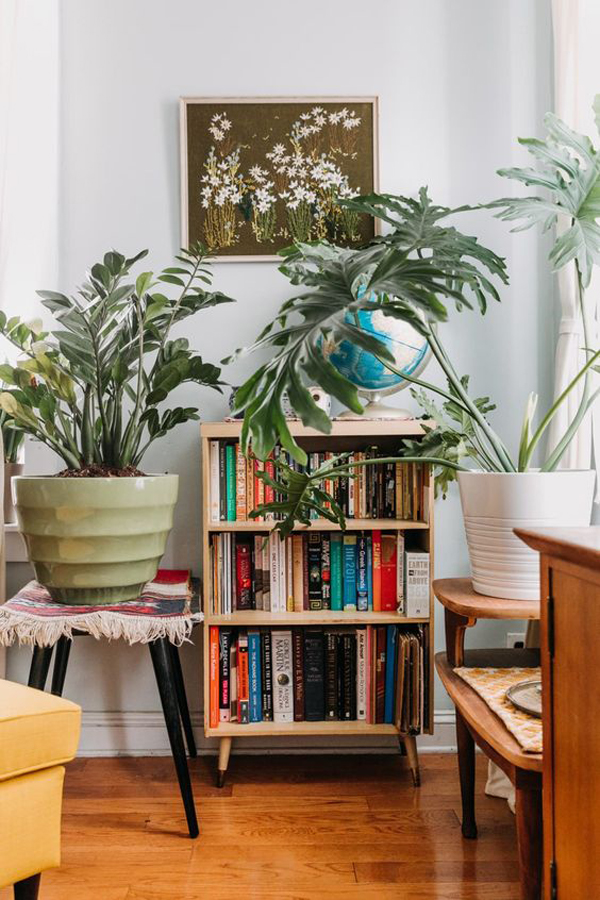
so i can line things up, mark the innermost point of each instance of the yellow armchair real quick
(38, 733)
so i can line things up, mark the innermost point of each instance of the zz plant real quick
(412, 273)
(92, 388)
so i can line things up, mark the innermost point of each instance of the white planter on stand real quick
(494, 503)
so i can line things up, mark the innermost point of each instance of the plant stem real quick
(496, 443)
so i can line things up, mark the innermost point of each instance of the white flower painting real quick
(262, 175)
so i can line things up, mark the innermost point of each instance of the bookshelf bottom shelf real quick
(293, 729)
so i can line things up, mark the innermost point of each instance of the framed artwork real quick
(259, 173)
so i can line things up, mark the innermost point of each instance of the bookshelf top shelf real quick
(368, 428)
(255, 618)
(325, 525)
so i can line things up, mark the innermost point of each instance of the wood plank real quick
(291, 828)
(326, 525)
(368, 428)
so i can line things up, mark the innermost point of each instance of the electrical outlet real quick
(515, 639)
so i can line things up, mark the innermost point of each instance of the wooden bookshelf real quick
(344, 435)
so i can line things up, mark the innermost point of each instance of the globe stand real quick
(375, 409)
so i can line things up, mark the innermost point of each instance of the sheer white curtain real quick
(29, 126)
(576, 26)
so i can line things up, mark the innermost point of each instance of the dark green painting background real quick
(260, 125)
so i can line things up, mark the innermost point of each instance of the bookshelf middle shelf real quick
(257, 618)
(325, 525)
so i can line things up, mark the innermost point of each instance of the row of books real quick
(312, 571)
(377, 491)
(377, 674)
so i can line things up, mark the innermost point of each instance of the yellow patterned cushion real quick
(492, 684)
(37, 730)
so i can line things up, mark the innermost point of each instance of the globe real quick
(366, 372)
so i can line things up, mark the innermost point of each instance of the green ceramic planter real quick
(95, 540)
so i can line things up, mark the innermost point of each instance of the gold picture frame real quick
(258, 173)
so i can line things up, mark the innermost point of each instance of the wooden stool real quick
(477, 724)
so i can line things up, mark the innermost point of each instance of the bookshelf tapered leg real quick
(224, 751)
(410, 745)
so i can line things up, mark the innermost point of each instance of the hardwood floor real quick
(283, 828)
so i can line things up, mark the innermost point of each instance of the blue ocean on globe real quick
(363, 369)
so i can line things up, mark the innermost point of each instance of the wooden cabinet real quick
(570, 645)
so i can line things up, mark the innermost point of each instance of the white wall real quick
(457, 83)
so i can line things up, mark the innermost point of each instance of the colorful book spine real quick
(283, 695)
(326, 571)
(389, 576)
(376, 537)
(315, 599)
(254, 674)
(370, 573)
(266, 676)
(274, 574)
(331, 675)
(361, 673)
(258, 571)
(213, 655)
(380, 651)
(362, 584)
(297, 572)
(243, 687)
(314, 676)
(349, 560)
(213, 450)
(243, 575)
(400, 605)
(298, 663)
(390, 673)
(336, 571)
(417, 584)
(240, 484)
(222, 482)
(289, 574)
(224, 677)
(230, 475)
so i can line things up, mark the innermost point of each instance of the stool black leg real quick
(61, 658)
(184, 711)
(163, 670)
(40, 663)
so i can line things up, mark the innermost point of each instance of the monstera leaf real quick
(411, 276)
(568, 168)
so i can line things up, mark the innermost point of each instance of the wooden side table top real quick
(458, 596)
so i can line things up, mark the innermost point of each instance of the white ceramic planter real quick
(494, 503)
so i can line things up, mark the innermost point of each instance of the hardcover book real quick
(389, 575)
(243, 686)
(298, 662)
(336, 571)
(362, 584)
(215, 509)
(230, 474)
(243, 574)
(255, 680)
(266, 676)
(349, 559)
(224, 693)
(298, 572)
(315, 599)
(331, 675)
(314, 675)
(213, 675)
(283, 696)
(361, 673)
(326, 571)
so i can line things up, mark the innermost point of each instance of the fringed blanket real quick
(163, 610)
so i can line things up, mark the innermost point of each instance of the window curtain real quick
(29, 127)
(576, 27)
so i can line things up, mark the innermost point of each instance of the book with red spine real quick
(269, 491)
(389, 573)
(213, 675)
(243, 576)
(259, 486)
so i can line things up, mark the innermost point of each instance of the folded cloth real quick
(492, 684)
(164, 609)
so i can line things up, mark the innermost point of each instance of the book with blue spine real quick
(390, 673)
(336, 571)
(362, 585)
(349, 569)
(370, 573)
(255, 680)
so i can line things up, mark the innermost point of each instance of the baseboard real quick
(143, 734)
